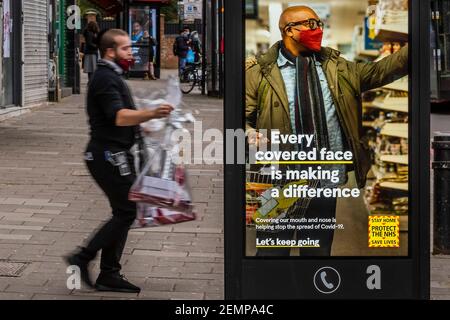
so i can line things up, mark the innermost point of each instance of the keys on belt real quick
(118, 159)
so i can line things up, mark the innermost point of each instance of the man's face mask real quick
(310, 38)
(125, 64)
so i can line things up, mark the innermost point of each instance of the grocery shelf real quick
(399, 130)
(392, 26)
(369, 124)
(393, 33)
(399, 85)
(391, 105)
(376, 172)
(368, 105)
(394, 185)
(401, 159)
(394, 104)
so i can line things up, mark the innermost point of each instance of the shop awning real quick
(109, 6)
(115, 6)
(154, 1)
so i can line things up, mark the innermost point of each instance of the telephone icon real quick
(327, 280)
(323, 276)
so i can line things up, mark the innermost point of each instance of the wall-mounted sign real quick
(251, 9)
(192, 9)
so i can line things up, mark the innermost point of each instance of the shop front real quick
(141, 19)
(10, 52)
(24, 50)
(35, 50)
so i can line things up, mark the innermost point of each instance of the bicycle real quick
(192, 76)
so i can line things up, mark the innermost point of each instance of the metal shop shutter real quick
(35, 14)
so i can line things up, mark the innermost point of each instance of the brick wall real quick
(168, 60)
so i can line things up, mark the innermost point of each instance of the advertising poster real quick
(7, 27)
(142, 29)
(327, 171)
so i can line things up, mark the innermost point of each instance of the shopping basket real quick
(260, 203)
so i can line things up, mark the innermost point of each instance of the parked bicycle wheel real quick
(188, 80)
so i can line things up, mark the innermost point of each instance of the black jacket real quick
(90, 46)
(182, 46)
(107, 94)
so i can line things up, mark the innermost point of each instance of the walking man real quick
(114, 127)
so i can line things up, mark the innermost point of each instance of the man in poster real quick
(300, 87)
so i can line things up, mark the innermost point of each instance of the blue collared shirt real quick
(288, 72)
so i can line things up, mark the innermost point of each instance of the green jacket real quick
(267, 107)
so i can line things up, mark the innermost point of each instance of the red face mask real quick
(125, 64)
(311, 39)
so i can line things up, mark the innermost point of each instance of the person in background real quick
(181, 48)
(90, 48)
(114, 130)
(196, 45)
(151, 42)
(138, 33)
(187, 30)
(137, 37)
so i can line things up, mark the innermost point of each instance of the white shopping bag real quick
(161, 189)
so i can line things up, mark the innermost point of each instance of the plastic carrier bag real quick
(190, 57)
(161, 189)
(163, 197)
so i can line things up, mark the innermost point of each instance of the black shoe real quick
(116, 282)
(75, 260)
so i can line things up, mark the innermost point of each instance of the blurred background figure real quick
(181, 48)
(196, 46)
(138, 32)
(90, 48)
(151, 42)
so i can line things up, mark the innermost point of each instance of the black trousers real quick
(318, 207)
(112, 236)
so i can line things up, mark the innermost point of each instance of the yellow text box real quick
(384, 231)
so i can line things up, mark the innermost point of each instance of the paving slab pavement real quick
(49, 204)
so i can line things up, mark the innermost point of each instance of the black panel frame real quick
(291, 278)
